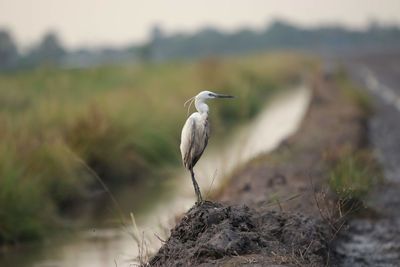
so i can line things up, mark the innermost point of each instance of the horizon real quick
(115, 25)
(99, 46)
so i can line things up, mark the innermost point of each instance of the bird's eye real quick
(210, 94)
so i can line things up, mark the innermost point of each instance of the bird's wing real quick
(201, 138)
(194, 140)
(187, 138)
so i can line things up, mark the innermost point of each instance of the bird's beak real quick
(223, 96)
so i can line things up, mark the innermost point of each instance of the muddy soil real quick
(374, 240)
(276, 210)
(215, 234)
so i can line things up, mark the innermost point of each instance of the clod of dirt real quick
(216, 234)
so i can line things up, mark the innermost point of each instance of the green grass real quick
(122, 121)
(354, 93)
(355, 175)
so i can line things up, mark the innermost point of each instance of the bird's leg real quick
(196, 188)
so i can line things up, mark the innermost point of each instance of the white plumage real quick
(195, 134)
(194, 140)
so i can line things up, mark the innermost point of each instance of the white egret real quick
(195, 133)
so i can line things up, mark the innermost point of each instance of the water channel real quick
(113, 246)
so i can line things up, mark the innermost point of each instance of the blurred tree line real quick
(206, 42)
(278, 35)
(8, 51)
(49, 51)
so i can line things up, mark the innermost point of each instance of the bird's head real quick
(201, 97)
(204, 95)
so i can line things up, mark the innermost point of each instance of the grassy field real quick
(122, 121)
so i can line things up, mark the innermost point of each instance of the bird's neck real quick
(201, 107)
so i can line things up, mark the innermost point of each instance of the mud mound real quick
(215, 234)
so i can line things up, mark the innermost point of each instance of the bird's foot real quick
(199, 203)
(200, 200)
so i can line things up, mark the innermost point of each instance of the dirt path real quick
(269, 215)
(334, 127)
(375, 240)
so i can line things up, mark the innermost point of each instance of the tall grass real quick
(122, 121)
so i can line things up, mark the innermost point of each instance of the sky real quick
(119, 22)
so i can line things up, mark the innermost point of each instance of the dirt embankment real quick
(373, 239)
(216, 234)
(274, 210)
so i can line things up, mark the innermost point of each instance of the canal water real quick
(114, 246)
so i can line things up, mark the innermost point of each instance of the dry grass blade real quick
(143, 250)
